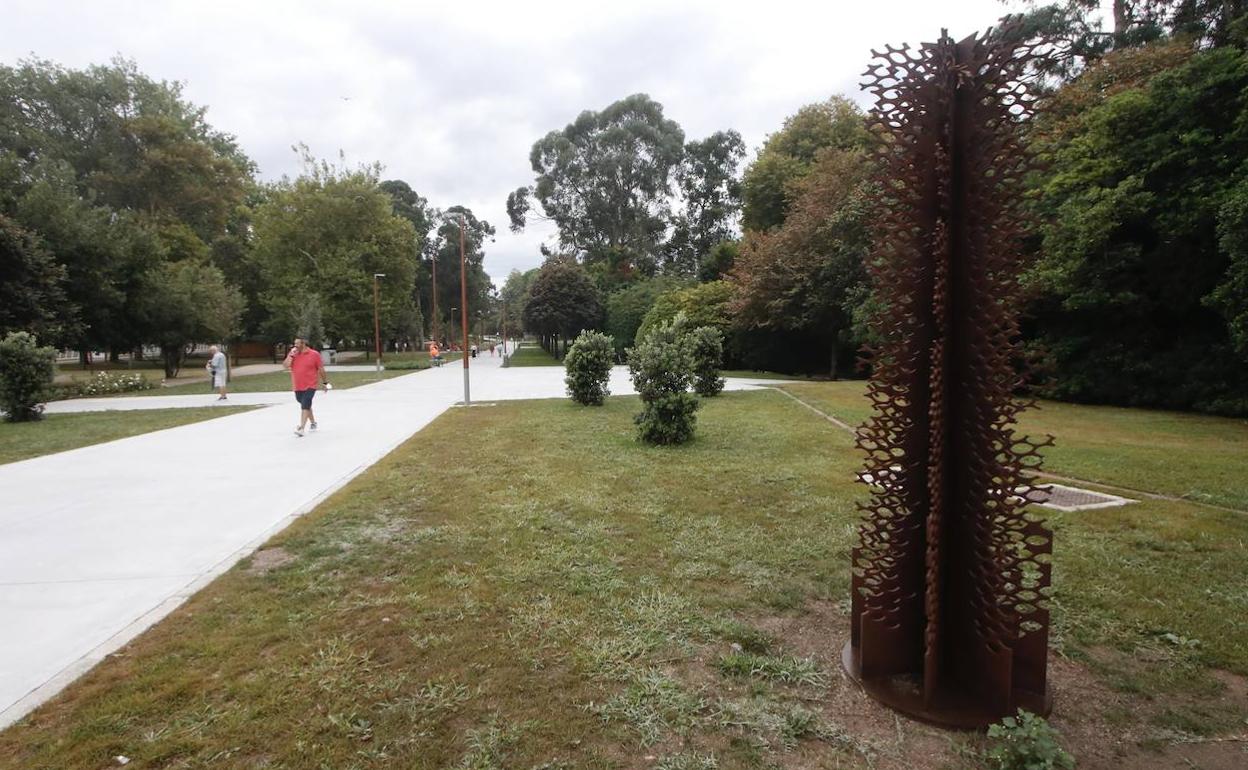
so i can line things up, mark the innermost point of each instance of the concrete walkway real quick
(101, 542)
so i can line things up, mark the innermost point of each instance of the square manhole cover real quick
(1063, 498)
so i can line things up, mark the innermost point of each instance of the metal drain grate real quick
(1063, 498)
(1059, 497)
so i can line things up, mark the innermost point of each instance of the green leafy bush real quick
(26, 372)
(707, 346)
(588, 366)
(1026, 742)
(662, 368)
(104, 384)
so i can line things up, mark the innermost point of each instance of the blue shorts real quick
(304, 397)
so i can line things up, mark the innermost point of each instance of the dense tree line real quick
(1139, 285)
(127, 220)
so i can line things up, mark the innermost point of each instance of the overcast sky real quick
(451, 96)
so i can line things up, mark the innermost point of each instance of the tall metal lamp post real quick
(377, 317)
(463, 305)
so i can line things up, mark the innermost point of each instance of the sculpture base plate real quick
(905, 694)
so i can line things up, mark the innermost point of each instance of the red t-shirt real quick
(303, 369)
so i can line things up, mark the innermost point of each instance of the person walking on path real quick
(306, 368)
(218, 371)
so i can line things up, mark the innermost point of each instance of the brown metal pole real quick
(376, 323)
(463, 304)
(504, 330)
(434, 325)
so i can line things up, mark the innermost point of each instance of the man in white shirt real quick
(217, 371)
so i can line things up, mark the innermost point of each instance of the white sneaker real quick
(312, 425)
(299, 432)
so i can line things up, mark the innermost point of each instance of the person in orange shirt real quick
(305, 367)
(434, 353)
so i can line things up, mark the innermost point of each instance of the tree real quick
(26, 372)
(444, 247)
(1079, 39)
(112, 170)
(514, 296)
(705, 304)
(706, 346)
(562, 302)
(789, 154)
(708, 184)
(32, 297)
(185, 302)
(588, 366)
(717, 263)
(605, 180)
(808, 274)
(661, 365)
(1125, 205)
(627, 308)
(326, 233)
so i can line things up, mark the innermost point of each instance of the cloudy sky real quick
(451, 96)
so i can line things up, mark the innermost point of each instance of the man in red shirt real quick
(306, 368)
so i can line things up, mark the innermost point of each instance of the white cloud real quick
(451, 96)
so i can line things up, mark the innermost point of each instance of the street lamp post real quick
(463, 305)
(377, 318)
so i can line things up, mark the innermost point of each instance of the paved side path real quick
(103, 541)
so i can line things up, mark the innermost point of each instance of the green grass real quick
(420, 356)
(612, 601)
(60, 432)
(1196, 457)
(530, 354)
(756, 375)
(263, 383)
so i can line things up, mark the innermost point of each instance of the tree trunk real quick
(172, 357)
(835, 354)
(114, 355)
(1122, 18)
(84, 358)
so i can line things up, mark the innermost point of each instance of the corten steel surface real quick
(949, 615)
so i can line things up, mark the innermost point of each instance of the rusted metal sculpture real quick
(950, 572)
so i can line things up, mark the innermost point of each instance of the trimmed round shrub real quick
(26, 372)
(661, 366)
(707, 347)
(588, 367)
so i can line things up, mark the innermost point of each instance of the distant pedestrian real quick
(218, 371)
(306, 368)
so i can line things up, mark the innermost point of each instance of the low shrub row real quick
(103, 384)
(669, 359)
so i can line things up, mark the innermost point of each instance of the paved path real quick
(101, 542)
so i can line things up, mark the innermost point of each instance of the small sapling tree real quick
(707, 347)
(588, 366)
(26, 372)
(661, 366)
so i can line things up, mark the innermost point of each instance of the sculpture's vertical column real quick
(950, 571)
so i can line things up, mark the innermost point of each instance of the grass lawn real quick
(257, 383)
(530, 354)
(1192, 456)
(601, 604)
(59, 432)
(751, 374)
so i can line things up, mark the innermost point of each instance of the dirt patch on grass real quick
(1102, 727)
(266, 560)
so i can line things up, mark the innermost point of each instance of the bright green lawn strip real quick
(1193, 456)
(273, 381)
(59, 432)
(532, 355)
(575, 612)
